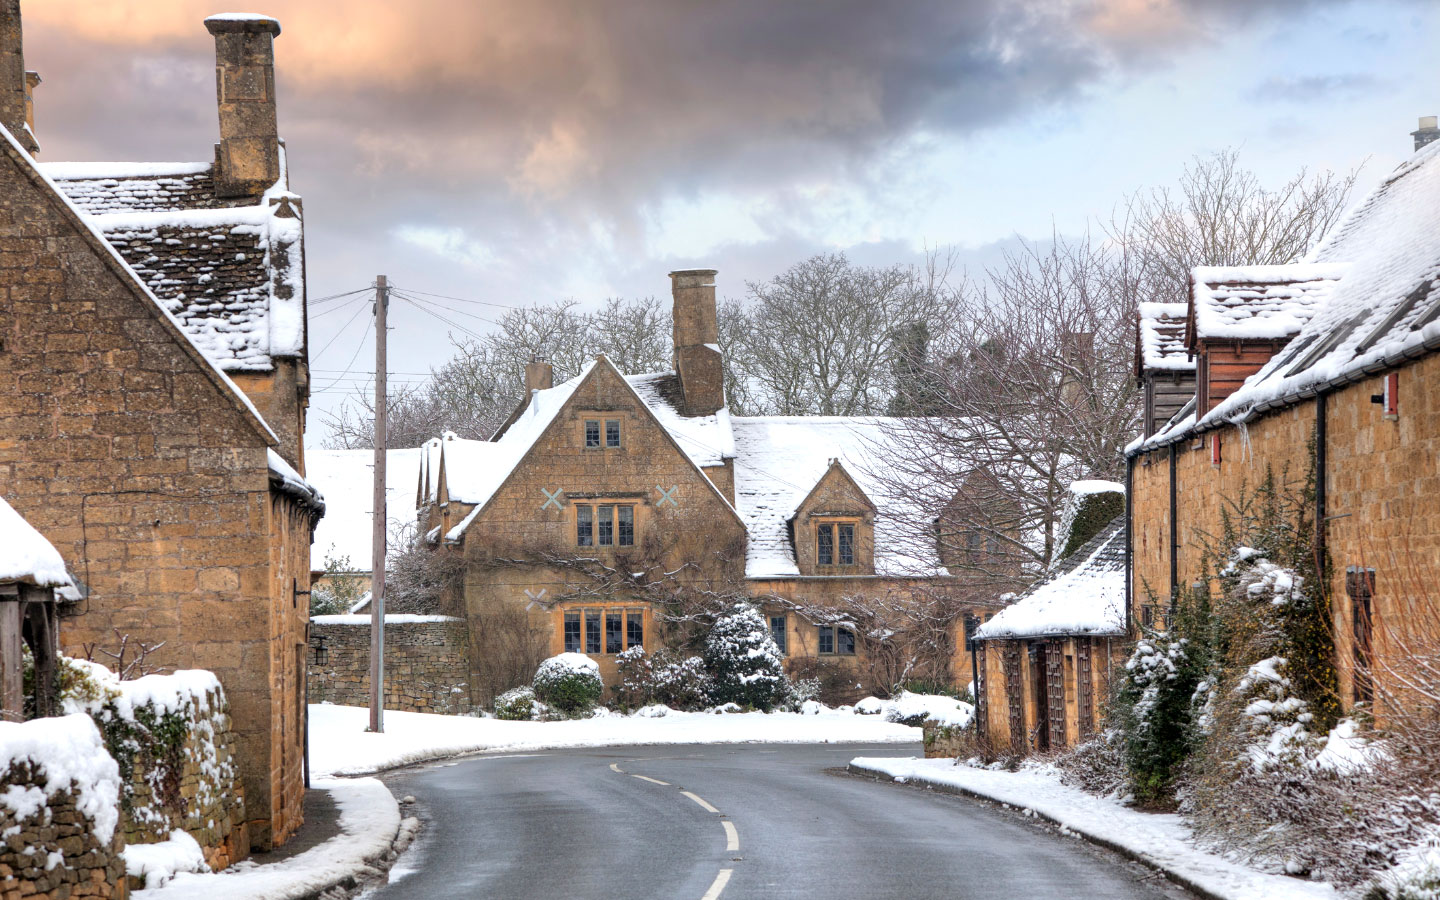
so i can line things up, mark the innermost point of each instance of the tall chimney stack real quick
(1427, 132)
(539, 375)
(697, 338)
(247, 159)
(12, 75)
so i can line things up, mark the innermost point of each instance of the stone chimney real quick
(697, 337)
(32, 81)
(247, 159)
(539, 375)
(1428, 132)
(13, 92)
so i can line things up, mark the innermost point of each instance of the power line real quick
(340, 332)
(460, 299)
(428, 311)
(354, 356)
(444, 307)
(335, 308)
(320, 300)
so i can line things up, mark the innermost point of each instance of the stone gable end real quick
(836, 497)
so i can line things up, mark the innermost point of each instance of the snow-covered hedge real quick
(569, 683)
(59, 807)
(744, 663)
(518, 705)
(664, 677)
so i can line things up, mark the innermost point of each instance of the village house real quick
(1325, 368)
(1042, 665)
(611, 490)
(153, 384)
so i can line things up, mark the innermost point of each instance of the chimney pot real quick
(1427, 132)
(13, 91)
(247, 159)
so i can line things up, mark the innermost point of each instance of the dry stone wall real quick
(427, 666)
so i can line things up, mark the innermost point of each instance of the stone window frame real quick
(835, 523)
(598, 428)
(578, 639)
(838, 647)
(588, 513)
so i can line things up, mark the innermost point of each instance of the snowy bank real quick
(339, 744)
(1161, 841)
(369, 823)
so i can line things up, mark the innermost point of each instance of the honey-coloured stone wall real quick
(427, 667)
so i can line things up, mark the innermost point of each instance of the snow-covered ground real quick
(340, 745)
(1160, 840)
(369, 822)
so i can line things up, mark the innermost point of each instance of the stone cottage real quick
(611, 488)
(1326, 368)
(153, 384)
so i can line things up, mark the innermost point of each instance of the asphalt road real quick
(785, 823)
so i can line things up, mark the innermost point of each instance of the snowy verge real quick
(369, 823)
(1161, 841)
(340, 745)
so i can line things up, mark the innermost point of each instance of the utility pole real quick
(378, 520)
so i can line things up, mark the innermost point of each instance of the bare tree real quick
(819, 338)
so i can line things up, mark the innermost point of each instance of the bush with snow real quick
(653, 711)
(743, 661)
(518, 705)
(569, 683)
(870, 706)
(915, 709)
(664, 677)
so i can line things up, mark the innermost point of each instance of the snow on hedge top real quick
(780, 459)
(1162, 337)
(69, 751)
(346, 477)
(230, 270)
(1084, 595)
(1384, 311)
(25, 554)
(707, 440)
(1259, 302)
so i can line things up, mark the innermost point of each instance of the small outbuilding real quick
(33, 580)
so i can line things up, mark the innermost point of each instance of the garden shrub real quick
(664, 677)
(569, 683)
(517, 705)
(743, 661)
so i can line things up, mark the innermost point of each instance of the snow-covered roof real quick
(345, 478)
(1162, 338)
(1085, 594)
(707, 440)
(469, 467)
(25, 555)
(284, 476)
(1258, 302)
(1383, 312)
(780, 459)
(230, 270)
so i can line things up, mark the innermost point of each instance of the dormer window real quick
(835, 544)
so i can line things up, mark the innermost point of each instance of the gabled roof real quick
(1256, 302)
(779, 461)
(467, 468)
(707, 440)
(1382, 313)
(346, 477)
(85, 228)
(230, 270)
(1083, 595)
(1161, 339)
(522, 433)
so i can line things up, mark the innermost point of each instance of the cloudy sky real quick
(515, 151)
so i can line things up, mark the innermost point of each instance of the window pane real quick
(592, 631)
(572, 632)
(634, 628)
(592, 433)
(825, 544)
(827, 639)
(844, 642)
(847, 545)
(584, 533)
(627, 526)
(777, 632)
(612, 433)
(613, 629)
(607, 526)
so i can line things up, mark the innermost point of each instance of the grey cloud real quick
(1316, 88)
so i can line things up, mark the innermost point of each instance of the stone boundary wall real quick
(58, 812)
(427, 665)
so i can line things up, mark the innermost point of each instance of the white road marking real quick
(719, 885)
(651, 780)
(732, 837)
(703, 805)
(615, 767)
